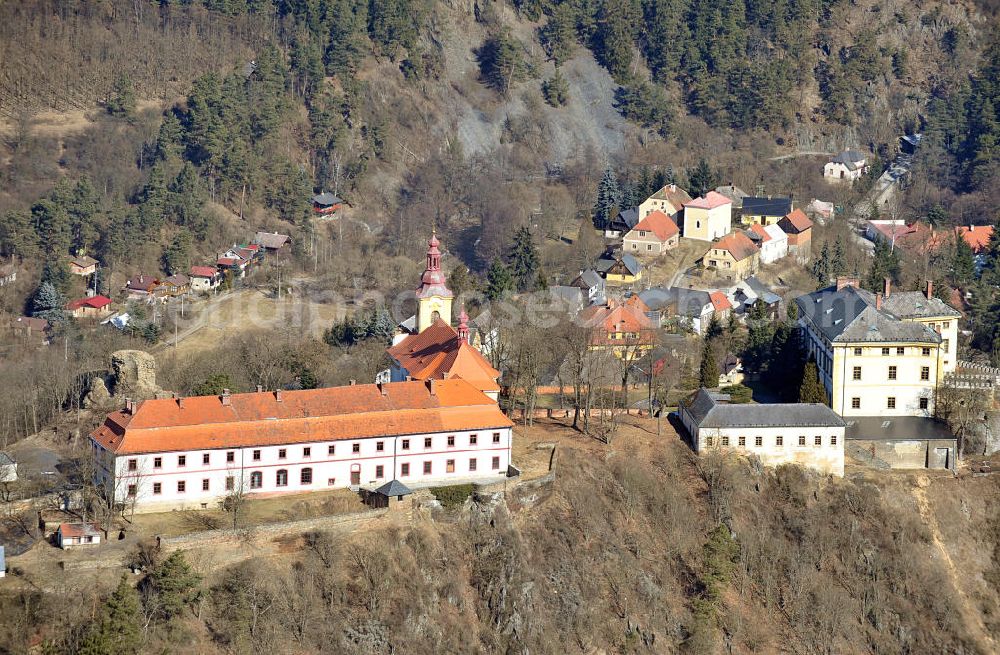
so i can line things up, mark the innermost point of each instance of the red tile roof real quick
(798, 219)
(757, 228)
(227, 261)
(659, 224)
(95, 302)
(617, 318)
(710, 200)
(204, 271)
(331, 414)
(79, 529)
(737, 244)
(438, 352)
(977, 236)
(719, 301)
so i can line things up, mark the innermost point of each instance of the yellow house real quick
(708, 218)
(735, 257)
(622, 270)
(764, 210)
(622, 328)
(882, 354)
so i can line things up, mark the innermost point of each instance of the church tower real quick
(433, 295)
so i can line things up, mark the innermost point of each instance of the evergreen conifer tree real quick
(963, 263)
(175, 583)
(702, 179)
(811, 390)
(523, 259)
(608, 195)
(708, 372)
(499, 281)
(49, 304)
(117, 631)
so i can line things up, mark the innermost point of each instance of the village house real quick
(82, 265)
(30, 329)
(765, 211)
(72, 535)
(730, 370)
(709, 217)
(177, 453)
(669, 200)
(820, 210)
(746, 293)
(771, 240)
(326, 203)
(93, 307)
(734, 193)
(235, 267)
(619, 270)
(721, 307)
(847, 166)
(272, 242)
(592, 284)
(690, 309)
(879, 354)
(175, 285)
(653, 235)
(623, 221)
(806, 434)
(734, 257)
(8, 273)
(141, 287)
(798, 227)
(205, 278)
(621, 328)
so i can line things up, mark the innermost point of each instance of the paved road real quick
(801, 153)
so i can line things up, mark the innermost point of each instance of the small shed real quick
(389, 494)
(72, 535)
(903, 442)
(326, 203)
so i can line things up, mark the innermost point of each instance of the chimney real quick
(673, 187)
(878, 301)
(226, 399)
(445, 375)
(929, 289)
(844, 281)
(277, 395)
(180, 402)
(432, 386)
(382, 389)
(129, 406)
(353, 382)
(260, 389)
(887, 287)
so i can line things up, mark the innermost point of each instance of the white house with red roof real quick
(708, 217)
(176, 453)
(772, 241)
(204, 278)
(653, 235)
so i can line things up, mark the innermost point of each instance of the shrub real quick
(452, 496)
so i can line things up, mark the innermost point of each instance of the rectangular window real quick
(282, 453)
(833, 440)
(331, 482)
(404, 469)
(451, 441)
(204, 484)
(181, 486)
(857, 351)
(892, 372)
(742, 441)
(473, 439)
(307, 452)
(157, 488)
(923, 403)
(230, 483)
(944, 345)
(472, 464)
(496, 463)
(427, 442)
(496, 437)
(157, 462)
(708, 441)
(406, 444)
(131, 490)
(855, 403)
(890, 402)
(857, 373)
(355, 448)
(449, 466)
(758, 441)
(379, 446)
(182, 460)
(206, 458)
(427, 468)
(331, 450)
(779, 440)
(256, 455)
(925, 351)
(885, 351)
(133, 465)
(230, 457)
(802, 440)
(817, 440)
(900, 350)
(725, 441)
(925, 372)
(379, 471)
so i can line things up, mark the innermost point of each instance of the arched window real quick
(256, 480)
(435, 315)
(306, 476)
(281, 478)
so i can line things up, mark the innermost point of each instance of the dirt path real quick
(970, 616)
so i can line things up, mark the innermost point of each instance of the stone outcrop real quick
(134, 374)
